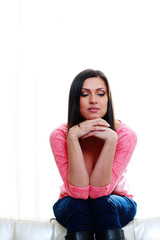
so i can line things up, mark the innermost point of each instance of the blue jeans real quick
(95, 215)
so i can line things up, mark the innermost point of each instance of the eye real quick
(101, 94)
(84, 94)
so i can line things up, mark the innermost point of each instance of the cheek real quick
(82, 107)
(105, 105)
(81, 103)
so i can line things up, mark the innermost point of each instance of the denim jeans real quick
(95, 215)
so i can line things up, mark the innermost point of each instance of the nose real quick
(92, 99)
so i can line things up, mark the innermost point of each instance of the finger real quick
(88, 135)
(100, 121)
(98, 128)
(92, 125)
(93, 133)
(94, 122)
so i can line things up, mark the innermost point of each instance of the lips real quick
(93, 109)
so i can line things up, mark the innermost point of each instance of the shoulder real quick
(59, 133)
(117, 123)
(58, 142)
(126, 134)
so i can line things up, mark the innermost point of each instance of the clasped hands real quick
(96, 127)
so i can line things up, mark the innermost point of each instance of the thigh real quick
(71, 209)
(126, 208)
(59, 209)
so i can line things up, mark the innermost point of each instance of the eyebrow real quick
(96, 89)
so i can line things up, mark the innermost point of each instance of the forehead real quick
(94, 83)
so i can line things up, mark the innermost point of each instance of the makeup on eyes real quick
(100, 92)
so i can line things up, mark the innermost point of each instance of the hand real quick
(106, 134)
(95, 127)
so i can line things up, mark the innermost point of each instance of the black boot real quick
(82, 235)
(112, 234)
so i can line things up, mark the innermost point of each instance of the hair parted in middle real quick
(74, 115)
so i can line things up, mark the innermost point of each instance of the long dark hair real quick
(74, 115)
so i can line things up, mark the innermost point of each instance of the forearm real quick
(102, 172)
(77, 172)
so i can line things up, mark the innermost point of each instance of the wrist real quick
(112, 139)
(71, 136)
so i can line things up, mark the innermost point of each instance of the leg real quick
(75, 215)
(126, 208)
(110, 214)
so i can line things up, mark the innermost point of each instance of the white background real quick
(43, 45)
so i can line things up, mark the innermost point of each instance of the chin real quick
(93, 117)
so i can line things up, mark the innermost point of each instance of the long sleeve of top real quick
(125, 147)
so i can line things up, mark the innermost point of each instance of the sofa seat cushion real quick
(147, 228)
(59, 232)
(25, 230)
(138, 229)
(19, 229)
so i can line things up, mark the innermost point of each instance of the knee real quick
(79, 205)
(103, 203)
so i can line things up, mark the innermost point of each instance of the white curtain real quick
(43, 45)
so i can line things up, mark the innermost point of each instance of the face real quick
(93, 99)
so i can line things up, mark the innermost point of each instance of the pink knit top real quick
(125, 146)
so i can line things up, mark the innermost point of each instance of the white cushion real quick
(17, 229)
(147, 229)
(25, 230)
(6, 229)
(59, 232)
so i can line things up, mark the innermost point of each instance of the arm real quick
(77, 173)
(59, 148)
(102, 172)
(125, 147)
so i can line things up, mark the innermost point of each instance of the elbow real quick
(102, 189)
(109, 180)
(96, 192)
(101, 182)
(78, 192)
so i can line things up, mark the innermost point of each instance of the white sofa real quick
(19, 229)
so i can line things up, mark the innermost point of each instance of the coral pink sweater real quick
(125, 146)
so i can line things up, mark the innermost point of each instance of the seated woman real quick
(92, 152)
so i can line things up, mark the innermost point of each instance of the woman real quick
(92, 152)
